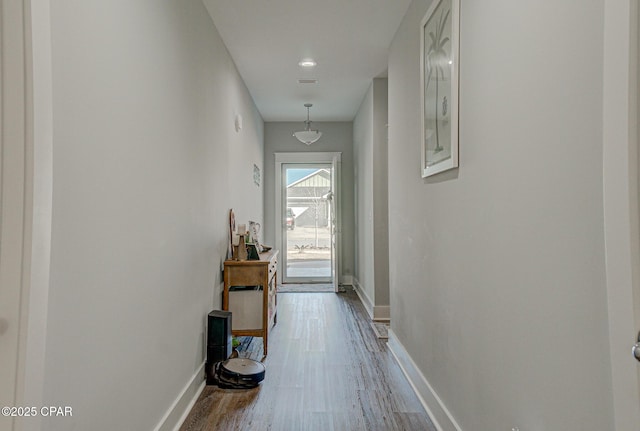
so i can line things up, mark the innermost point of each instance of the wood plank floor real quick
(305, 287)
(326, 370)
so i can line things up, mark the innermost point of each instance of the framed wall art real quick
(439, 60)
(256, 175)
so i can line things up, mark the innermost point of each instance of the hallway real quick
(326, 370)
(131, 128)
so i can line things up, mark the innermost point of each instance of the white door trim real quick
(299, 157)
(336, 223)
(13, 198)
(620, 193)
(33, 97)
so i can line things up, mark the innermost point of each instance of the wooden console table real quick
(250, 288)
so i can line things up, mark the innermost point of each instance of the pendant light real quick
(308, 136)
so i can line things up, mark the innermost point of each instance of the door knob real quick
(636, 349)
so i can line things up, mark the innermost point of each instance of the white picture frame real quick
(256, 175)
(439, 75)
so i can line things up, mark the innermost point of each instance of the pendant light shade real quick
(308, 136)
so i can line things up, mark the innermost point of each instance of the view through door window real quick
(308, 223)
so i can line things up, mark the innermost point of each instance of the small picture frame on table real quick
(252, 252)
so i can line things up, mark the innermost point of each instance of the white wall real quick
(146, 165)
(370, 171)
(363, 194)
(336, 137)
(497, 269)
(380, 194)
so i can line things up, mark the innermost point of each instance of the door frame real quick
(620, 202)
(13, 197)
(27, 71)
(308, 158)
(285, 234)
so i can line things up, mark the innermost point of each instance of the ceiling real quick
(349, 40)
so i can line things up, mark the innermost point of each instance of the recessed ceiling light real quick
(307, 63)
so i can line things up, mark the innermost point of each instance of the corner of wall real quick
(184, 402)
(382, 313)
(362, 294)
(435, 407)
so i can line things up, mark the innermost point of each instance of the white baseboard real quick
(380, 313)
(438, 412)
(347, 280)
(366, 301)
(177, 413)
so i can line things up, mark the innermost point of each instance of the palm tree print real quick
(437, 61)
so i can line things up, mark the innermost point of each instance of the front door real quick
(308, 222)
(307, 217)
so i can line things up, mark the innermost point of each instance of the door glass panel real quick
(307, 224)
